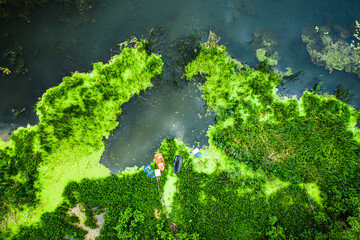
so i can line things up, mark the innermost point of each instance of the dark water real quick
(52, 50)
(163, 111)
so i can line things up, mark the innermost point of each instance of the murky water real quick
(163, 111)
(52, 50)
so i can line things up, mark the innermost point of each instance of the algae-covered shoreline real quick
(275, 167)
(74, 117)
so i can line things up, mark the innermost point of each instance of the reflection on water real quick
(6, 130)
(163, 111)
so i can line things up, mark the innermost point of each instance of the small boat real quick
(160, 162)
(149, 171)
(196, 152)
(177, 164)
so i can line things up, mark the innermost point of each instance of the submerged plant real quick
(343, 94)
(5, 70)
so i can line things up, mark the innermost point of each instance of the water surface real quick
(52, 50)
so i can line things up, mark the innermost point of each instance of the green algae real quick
(131, 170)
(74, 118)
(56, 174)
(294, 141)
(274, 167)
(261, 56)
(331, 52)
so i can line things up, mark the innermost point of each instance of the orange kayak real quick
(160, 162)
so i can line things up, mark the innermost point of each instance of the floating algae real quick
(330, 48)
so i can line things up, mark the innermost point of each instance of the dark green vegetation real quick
(130, 200)
(18, 172)
(302, 180)
(311, 140)
(85, 106)
(15, 61)
(137, 194)
(343, 94)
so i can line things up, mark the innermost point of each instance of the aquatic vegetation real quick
(356, 45)
(330, 49)
(343, 94)
(311, 140)
(5, 70)
(263, 44)
(15, 59)
(275, 167)
(263, 39)
(243, 7)
(83, 7)
(261, 56)
(39, 161)
(22, 7)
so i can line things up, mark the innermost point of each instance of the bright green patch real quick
(314, 192)
(211, 159)
(55, 175)
(131, 170)
(272, 187)
(169, 191)
(66, 146)
(260, 54)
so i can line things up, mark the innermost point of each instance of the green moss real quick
(55, 175)
(211, 159)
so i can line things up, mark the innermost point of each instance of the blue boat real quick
(149, 171)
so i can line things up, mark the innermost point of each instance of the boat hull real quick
(160, 162)
(177, 164)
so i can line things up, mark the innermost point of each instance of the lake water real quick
(52, 50)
